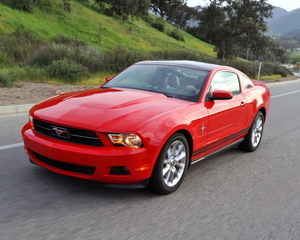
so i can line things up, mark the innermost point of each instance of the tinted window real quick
(228, 81)
(173, 81)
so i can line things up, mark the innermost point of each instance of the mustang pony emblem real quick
(60, 132)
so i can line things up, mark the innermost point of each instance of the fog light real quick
(119, 170)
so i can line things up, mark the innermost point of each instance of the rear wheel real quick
(254, 136)
(171, 165)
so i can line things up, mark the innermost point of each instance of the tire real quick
(254, 136)
(171, 165)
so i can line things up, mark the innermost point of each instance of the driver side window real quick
(228, 81)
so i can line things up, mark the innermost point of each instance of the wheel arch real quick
(264, 112)
(189, 139)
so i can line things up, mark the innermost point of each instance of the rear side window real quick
(247, 81)
(225, 80)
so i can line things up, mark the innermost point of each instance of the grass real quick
(96, 79)
(272, 77)
(88, 25)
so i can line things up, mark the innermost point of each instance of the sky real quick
(288, 5)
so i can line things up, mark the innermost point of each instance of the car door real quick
(226, 117)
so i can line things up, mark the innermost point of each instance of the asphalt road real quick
(234, 195)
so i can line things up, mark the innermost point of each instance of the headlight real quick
(30, 119)
(128, 140)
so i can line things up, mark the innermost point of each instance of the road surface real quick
(234, 195)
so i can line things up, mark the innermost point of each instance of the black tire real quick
(254, 136)
(171, 165)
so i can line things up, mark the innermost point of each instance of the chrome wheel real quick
(171, 165)
(257, 131)
(254, 136)
(174, 163)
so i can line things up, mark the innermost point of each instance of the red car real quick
(148, 124)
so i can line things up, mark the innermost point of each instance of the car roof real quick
(181, 63)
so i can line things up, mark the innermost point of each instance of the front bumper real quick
(99, 164)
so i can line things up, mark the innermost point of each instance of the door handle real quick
(242, 104)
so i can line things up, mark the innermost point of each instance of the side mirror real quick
(221, 95)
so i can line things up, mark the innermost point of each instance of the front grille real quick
(73, 135)
(65, 166)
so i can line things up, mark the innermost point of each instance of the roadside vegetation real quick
(295, 59)
(79, 42)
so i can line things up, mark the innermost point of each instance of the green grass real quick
(86, 24)
(273, 77)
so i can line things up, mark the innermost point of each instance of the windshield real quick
(173, 81)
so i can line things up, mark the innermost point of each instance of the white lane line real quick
(11, 146)
(284, 94)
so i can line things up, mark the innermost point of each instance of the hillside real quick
(278, 12)
(283, 21)
(83, 45)
(85, 23)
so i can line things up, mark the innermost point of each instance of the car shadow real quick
(62, 185)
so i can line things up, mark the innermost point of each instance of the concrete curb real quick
(25, 107)
(279, 82)
(15, 109)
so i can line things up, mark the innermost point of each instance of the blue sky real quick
(288, 5)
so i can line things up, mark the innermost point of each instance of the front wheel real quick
(254, 136)
(171, 165)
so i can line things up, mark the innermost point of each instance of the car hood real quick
(112, 110)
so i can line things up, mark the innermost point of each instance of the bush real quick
(5, 80)
(23, 5)
(8, 79)
(180, 55)
(67, 71)
(108, 12)
(60, 39)
(284, 72)
(148, 19)
(45, 4)
(3, 58)
(45, 55)
(119, 58)
(105, 8)
(67, 5)
(250, 69)
(160, 26)
(271, 68)
(175, 33)
(35, 73)
(5, 2)
(19, 46)
(89, 57)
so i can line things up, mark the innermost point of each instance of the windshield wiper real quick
(168, 96)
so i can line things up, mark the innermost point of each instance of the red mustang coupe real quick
(148, 124)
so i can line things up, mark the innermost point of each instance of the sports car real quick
(145, 126)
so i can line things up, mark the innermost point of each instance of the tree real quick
(144, 6)
(182, 15)
(228, 23)
(166, 8)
